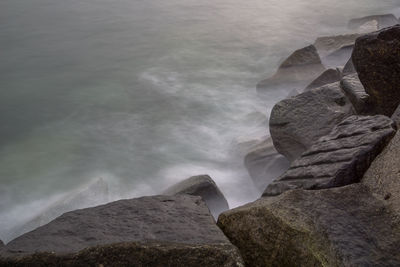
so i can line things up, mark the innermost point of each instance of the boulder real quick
(328, 44)
(339, 158)
(297, 122)
(345, 226)
(349, 68)
(204, 187)
(327, 77)
(355, 92)
(265, 164)
(297, 71)
(148, 231)
(376, 57)
(382, 21)
(339, 57)
(396, 117)
(383, 176)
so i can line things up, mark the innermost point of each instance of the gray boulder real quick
(382, 21)
(297, 71)
(327, 77)
(204, 187)
(345, 226)
(265, 164)
(355, 92)
(396, 117)
(148, 231)
(297, 122)
(339, 158)
(349, 68)
(377, 61)
(329, 44)
(339, 57)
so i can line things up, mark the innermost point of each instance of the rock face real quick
(297, 122)
(382, 21)
(265, 164)
(355, 91)
(297, 71)
(143, 227)
(204, 187)
(383, 177)
(343, 226)
(339, 158)
(396, 117)
(327, 77)
(376, 57)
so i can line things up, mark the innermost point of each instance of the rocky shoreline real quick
(329, 173)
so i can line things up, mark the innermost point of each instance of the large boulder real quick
(297, 71)
(381, 21)
(297, 122)
(339, 57)
(204, 187)
(383, 177)
(339, 158)
(376, 57)
(148, 231)
(354, 90)
(396, 117)
(265, 164)
(327, 77)
(345, 226)
(349, 68)
(329, 44)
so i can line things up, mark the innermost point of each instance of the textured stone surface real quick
(327, 77)
(297, 71)
(265, 164)
(382, 21)
(343, 226)
(355, 91)
(339, 158)
(376, 57)
(204, 187)
(179, 219)
(297, 122)
(383, 176)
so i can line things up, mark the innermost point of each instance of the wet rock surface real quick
(181, 219)
(355, 91)
(265, 164)
(297, 122)
(344, 226)
(376, 57)
(297, 71)
(204, 187)
(339, 158)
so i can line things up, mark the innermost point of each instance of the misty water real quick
(141, 93)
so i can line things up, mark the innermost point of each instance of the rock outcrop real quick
(339, 158)
(148, 231)
(297, 71)
(265, 164)
(355, 92)
(376, 57)
(381, 21)
(204, 187)
(297, 122)
(327, 77)
(345, 226)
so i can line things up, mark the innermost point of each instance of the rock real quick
(204, 187)
(297, 71)
(355, 92)
(343, 226)
(148, 231)
(328, 44)
(396, 117)
(1, 245)
(93, 194)
(339, 57)
(297, 122)
(349, 68)
(265, 164)
(376, 57)
(327, 77)
(382, 21)
(339, 158)
(383, 177)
